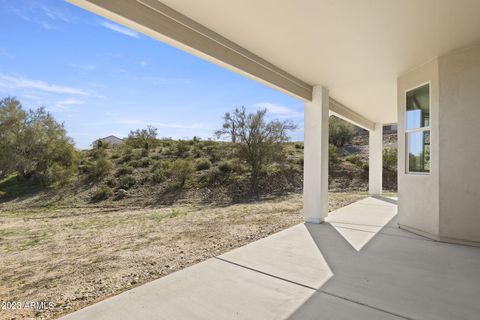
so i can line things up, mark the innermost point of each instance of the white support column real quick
(375, 160)
(315, 181)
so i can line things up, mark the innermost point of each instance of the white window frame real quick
(422, 129)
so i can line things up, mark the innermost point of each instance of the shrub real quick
(226, 166)
(354, 159)
(182, 148)
(145, 162)
(274, 168)
(390, 168)
(181, 170)
(211, 149)
(298, 145)
(390, 159)
(99, 168)
(124, 170)
(156, 156)
(163, 165)
(127, 154)
(357, 160)
(126, 182)
(59, 175)
(332, 153)
(102, 193)
(111, 182)
(158, 176)
(202, 164)
(135, 163)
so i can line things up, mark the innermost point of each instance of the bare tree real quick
(259, 142)
(229, 127)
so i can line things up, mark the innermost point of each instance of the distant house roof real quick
(113, 140)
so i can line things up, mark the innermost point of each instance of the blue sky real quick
(100, 78)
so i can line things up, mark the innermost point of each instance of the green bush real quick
(203, 164)
(357, 160)
(99, 168)
(332, 153)
(135, 163)
(163, 165)
(390, 159)
(102, 193)
(182, 148)
(127, 155)
(226, 166)
(390, 168)
(274, 168)
(124, 170)
(111, 182)
(354, 159)
(145, 162)
(158, 176)
(126, 182)
(181, 171)
(156, 156)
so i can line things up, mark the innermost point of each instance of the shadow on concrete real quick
(395, 276)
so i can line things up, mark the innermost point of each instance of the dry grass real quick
(75, 257)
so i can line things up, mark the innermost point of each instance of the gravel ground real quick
(79, 256)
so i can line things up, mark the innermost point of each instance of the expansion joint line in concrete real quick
(315, 289)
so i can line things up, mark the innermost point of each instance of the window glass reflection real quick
(418, 107)
(419, 151)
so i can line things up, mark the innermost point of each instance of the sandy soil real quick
(75, 257)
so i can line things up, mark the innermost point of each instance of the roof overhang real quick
(356, 49)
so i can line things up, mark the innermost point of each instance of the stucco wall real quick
(460, 144)
(418, 194)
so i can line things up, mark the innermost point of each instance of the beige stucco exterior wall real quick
(418, 194)
(459, 74)
(445, 204)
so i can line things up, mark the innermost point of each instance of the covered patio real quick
(356, 265)
(414, 63)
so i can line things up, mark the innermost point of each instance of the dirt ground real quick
(75, 257)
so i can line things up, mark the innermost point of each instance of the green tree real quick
(143, 138)
(34, 145)
(340, 132)
(12, 125)
(259, 142)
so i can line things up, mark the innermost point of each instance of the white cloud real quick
(143, 63)
(65, 104)
(120, 29)
(279, 110)
(54, 14)
(11, 83)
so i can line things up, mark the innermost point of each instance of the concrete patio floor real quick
(359, 265)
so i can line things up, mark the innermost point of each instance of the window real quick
(418, 130)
